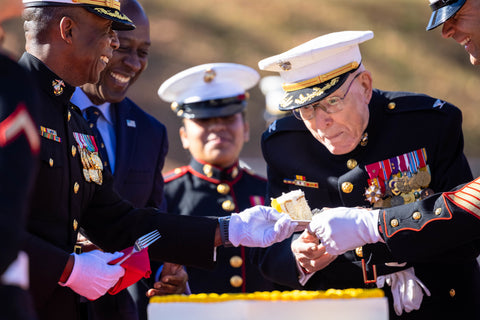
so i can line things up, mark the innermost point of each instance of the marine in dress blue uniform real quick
(19, 148)
(65, 199)
(203, 189)
(400, 126)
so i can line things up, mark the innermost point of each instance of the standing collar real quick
(213, 172)
(47, 80)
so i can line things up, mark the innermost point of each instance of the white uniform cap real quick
(209, 90)
(271, 87)
(313, 70)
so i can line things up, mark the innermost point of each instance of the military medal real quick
(423, 178)
(373, 194)
(91, 162)
(400, 178)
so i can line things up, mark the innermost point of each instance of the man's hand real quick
(343, 229)
(260, 226)
(173, 280)
(310, 254)
(92, 276)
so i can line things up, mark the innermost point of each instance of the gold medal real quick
(408, 197)
(413, 182)
(97, 161)
(94, 175)
(86, 174)
(403, 184)
(100, 177)
(423, 178)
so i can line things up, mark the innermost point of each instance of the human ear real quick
(366, 85)
(184, 138)
(66, 28)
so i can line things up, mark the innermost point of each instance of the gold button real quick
(236, 261)
(438, 211)
(91, 125)
(452, 293)
(50, 162)
(347, 187)
(69, 115)
(76, 186)
(351, 163)
(179, 113)
(234, 172)
(74, 151)
(391, 105)
(174, 106)
(228, 205)
(416, 215)
(394, 223)
(236, 281)
(359, 252)
(75, 224)
(207, 169)
(223, 188)
(177, 170)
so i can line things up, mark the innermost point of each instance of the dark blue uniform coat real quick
(399, 123)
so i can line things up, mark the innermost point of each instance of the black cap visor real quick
(210, 109)
(120, 21)
(303, 97)
(442, 11)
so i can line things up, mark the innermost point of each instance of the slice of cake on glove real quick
(294, 204)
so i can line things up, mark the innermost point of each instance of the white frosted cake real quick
(294, 204)
(349, 304)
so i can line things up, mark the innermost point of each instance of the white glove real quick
(92, 276)
(343, 229)
(259, 226)
(406, 290)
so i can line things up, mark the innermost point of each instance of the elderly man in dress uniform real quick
(398, 226)
(68, 44)
(211, 100)
(364, 147)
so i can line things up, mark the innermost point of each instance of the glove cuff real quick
(224, 224)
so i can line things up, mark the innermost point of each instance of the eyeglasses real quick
(330, 104)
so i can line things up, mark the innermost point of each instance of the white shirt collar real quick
(81, 100)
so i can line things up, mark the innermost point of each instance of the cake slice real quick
(294, 204)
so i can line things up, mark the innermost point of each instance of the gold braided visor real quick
(321, 78)
(104, 3)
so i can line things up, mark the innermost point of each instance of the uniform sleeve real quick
(437, 224)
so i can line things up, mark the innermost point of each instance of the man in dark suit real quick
(68, 44)
(135, 142)
(364, 147)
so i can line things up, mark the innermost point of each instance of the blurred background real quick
(402, 56)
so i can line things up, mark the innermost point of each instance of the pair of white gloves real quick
(259, 226)
(343, 229)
